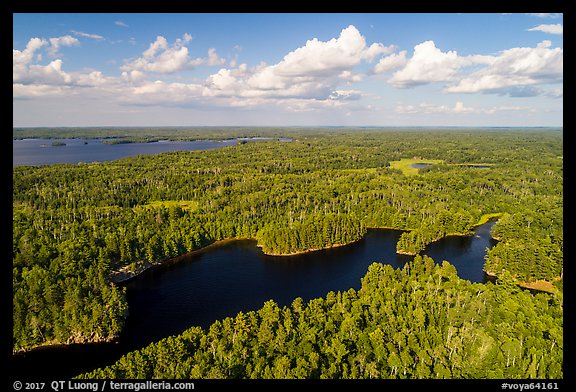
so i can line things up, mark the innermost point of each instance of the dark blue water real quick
(237, 276)
(41, 151)
(234, 276)
(465, 253)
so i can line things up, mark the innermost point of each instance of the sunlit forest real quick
(75, 226)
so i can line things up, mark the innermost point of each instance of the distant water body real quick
(40, 152)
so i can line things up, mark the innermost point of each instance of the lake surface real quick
(236, 276)
(420, 165)
(42, 152)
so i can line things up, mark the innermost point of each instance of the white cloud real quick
(120, 23)
(308, 78)
(429, 64)
(556, 93)
(324, 58)
(133, 76)
(546, 15)
(458, 108)
(87, 35)
(213, 58)
(318, 76)
(549, 28)
(163, 58)
(21, 58)
(223, 80)
(160, 43)
(20, 91)
(56, 43)
(161, 93)
(313, 71)
(515, 71)
(390, 63)
(94, 79)
(350, 77)
(48, 74)
(345, 95)
(24, 72)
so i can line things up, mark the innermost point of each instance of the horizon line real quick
(288, 126)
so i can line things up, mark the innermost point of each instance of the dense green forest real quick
(73, 225)
(145, 134)
(421, 321)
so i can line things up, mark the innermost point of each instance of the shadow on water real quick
(236, 276)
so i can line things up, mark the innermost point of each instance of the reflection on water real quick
(236, 276)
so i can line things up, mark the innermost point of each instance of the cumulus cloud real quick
(515, 71)
(549, 28)
(307, 78)
(213, 58)
(223, 80)
(48, 74)
(25, 56)
(319, 58)
(24, 72)
(313, 71)
(31, 79)
(390, 63)
(429, 64)
(163, 58)
(316, 76)
(58, 42)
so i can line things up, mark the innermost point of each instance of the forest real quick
(421, 321)
(74, 225)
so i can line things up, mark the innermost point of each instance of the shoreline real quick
(120, 276)
(123, 275)
(486, 218)
(56, 344)
(302, 252)
(539, 285)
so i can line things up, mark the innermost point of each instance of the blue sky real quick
(288, 69)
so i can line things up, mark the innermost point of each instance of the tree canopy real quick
(74, 225)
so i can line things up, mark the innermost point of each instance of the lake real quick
(234, 276)
(420, 165)
(43, 152)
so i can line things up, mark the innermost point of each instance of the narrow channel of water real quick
(236, 276)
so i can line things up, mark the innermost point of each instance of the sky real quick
(195, 69)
